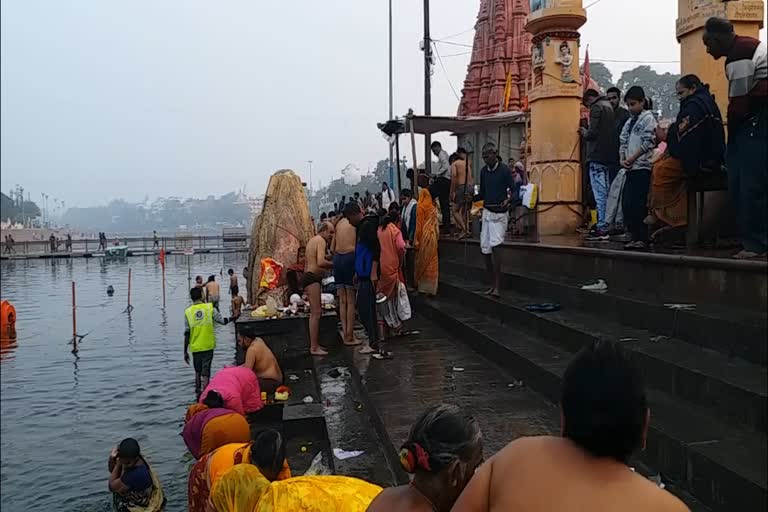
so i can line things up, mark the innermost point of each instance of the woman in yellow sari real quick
(266, 452)
(425, 243)
(244, 489)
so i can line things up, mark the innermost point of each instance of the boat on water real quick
(116, 252)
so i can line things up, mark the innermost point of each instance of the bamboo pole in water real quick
(74, 319)
(129, 290)
(163, 285)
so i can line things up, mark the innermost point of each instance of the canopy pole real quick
(414, 180)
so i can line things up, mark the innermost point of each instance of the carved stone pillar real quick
(555, 99)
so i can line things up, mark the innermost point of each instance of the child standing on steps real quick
(638, 138)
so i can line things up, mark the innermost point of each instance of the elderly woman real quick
(442, 452)
(695, 144)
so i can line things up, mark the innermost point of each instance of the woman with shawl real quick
(695, 142)
(427, 234)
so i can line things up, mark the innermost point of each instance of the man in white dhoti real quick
(497, 189)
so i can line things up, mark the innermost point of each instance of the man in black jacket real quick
(602, 153)
(620, 116)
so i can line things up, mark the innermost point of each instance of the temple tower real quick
(501, 49)
(555, 100)
(747, 18)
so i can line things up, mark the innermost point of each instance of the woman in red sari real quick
(390, 267)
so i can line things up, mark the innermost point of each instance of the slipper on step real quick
(542, 308)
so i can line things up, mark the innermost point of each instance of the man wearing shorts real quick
(234, 289)
(497, 186)
(343, 249)
(316, 267)
(462, 189)
(199, 337)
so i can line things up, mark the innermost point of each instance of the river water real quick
(61, 413)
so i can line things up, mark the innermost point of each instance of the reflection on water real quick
(63, 412)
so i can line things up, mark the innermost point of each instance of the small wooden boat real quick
(116, 252)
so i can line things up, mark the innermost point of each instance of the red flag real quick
(586, 76)
(162, 258)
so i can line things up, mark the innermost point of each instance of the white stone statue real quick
(565, 59)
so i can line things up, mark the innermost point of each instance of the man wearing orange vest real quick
(199, 337)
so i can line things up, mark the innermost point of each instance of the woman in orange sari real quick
(427, 232)
(266, 452)
(391, 261)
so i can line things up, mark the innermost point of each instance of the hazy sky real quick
(105, 99)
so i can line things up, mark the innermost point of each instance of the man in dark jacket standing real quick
(620, 116)
(602, 153)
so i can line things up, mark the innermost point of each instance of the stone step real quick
(721, 465)
(347, 422)
(735, 332)
(732, 389)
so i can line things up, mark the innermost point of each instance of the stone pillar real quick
(747, 19)
(555, 100)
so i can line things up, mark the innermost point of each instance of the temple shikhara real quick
(501, 59)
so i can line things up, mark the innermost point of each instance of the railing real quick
(80, 246)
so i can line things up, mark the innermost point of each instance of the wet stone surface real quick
(432, 368)
(348, 423)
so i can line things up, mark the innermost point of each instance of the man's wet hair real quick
(129, 449)
(352, 208)
(230, 271)
(268, 453)
(196, 293)
(442, 434)
(603, 402)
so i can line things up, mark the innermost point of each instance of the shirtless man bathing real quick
(316, 267)
(260, 359)
(343, 249)
(604, 420)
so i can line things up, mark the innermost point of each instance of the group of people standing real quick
(639, 168)
(370, 253)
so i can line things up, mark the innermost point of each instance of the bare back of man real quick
(315, 268)
(542, 474)
(260, 359)
(461, 188)
(344, 242)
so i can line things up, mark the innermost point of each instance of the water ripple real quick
(128, 378)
